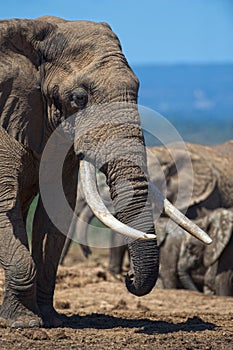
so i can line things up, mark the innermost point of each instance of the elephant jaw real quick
(93, 199)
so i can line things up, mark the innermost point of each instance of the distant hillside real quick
(197, 99)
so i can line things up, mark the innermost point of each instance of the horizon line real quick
(182, 63)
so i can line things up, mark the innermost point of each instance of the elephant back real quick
(210, 174)
(224, 168)
(217, 167)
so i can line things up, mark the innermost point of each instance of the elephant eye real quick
(79, 98)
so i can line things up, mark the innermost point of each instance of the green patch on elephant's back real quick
(30, 216)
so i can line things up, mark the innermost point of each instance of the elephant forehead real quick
(80, 39)
(85, 52)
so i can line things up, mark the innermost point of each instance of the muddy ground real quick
(103, 315)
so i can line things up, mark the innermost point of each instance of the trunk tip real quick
(141, 290)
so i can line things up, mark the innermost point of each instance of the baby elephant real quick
(187, 263)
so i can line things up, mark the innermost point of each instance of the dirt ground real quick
(103, 315)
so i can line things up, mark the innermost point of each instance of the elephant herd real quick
(185, 262)
(68, 106)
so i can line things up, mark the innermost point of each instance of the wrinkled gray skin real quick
(186, 263)
(18, 169)
(212, 185)
(49, 70)
(212, 176)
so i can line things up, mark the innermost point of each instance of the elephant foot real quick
(24, 321)
(208, 291)
(51, 318)
(18, 316)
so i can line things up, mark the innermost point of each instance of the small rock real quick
(142, 307)
(62, 304)
(60, 334)
(39, 334)
(102, 275)
(121, 305)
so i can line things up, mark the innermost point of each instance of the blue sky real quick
(151, 31)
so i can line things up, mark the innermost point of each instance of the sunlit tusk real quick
(180, 219)
(95, 202)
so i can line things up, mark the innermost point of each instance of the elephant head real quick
(219, 224)
(218, 260)
(52, 69)
(214, 260)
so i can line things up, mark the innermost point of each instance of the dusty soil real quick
(103, 315)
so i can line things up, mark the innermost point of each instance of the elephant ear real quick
(161, 230)
(21, 103)
(184, 175)
(220, 229)
(204, 178)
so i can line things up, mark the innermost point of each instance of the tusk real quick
(95, 202)
(185, 223)
(180, 219)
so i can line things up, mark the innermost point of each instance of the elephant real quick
(212, 183)
(186, 263)
(212, 186)
(68, 94)
(212, 176)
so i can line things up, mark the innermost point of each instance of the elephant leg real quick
(169, 256)
(224, 274)
(168, 273)
(117, 252)
(209, 279)
(19, 308)
(184, 271)
(79, 232)
(47, 245)
(224, 283)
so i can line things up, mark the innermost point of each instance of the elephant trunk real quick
(135, 212)
(116, 146)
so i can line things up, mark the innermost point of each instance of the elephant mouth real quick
(95, 202)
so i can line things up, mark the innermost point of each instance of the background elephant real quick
(187, 263)
(212, 176)
(212, 184)
(50, 70)
(212, 187)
